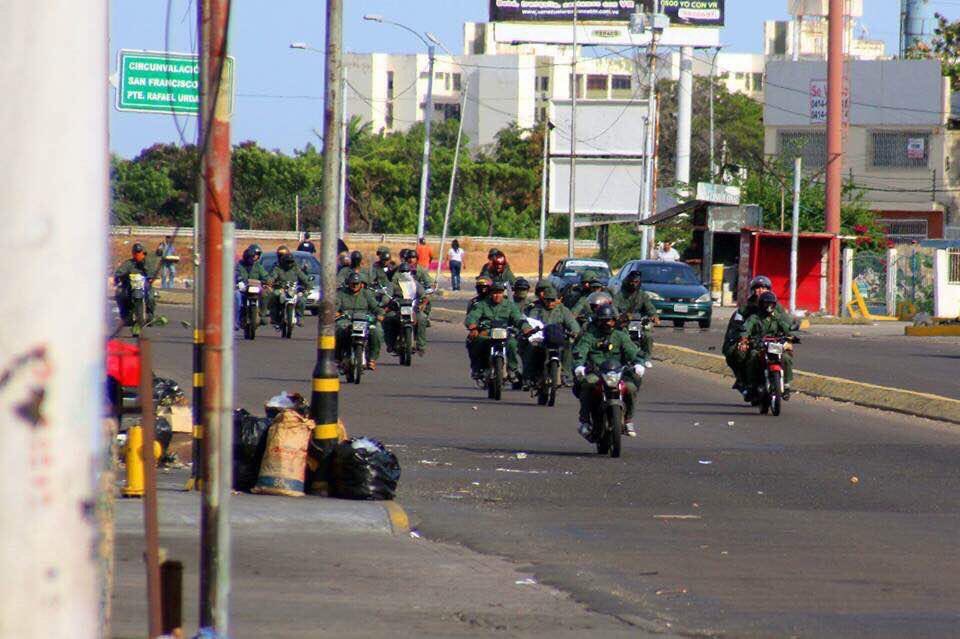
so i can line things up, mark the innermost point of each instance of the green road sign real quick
(158, 82)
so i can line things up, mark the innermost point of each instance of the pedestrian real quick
(306, 244)
(455, 258)
(424, 253)
(167, 254)
(668, 253)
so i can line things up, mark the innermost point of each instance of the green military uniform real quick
(506, 277)
(483, 315)
(391, 322)
(423, 279)
(244, 273)
(637, 303)
(379, 274)
(533, 355)
(737, 360)
(757, 327)
(360, 305)
(575, 292)
(149, 268)
(345, 272)
(280, 276)
(582, 311)
(593, 349)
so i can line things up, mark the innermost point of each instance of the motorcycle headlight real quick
(612, 379)
(705, 298)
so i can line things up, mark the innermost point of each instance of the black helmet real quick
(521, 284)
(137, 248)
(403, 268)
(284, 256)
(356, 258)
(256, 248)
(492, 253)
(249, 253)
(353, 279)
(767, 301)
(605, 313)
(761, 281)
(497, 287)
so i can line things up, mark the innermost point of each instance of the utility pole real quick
(684, 119)
(655, 22)
(574, 87)
(795, 233)
(195, 482)
(326, 381)
(453, 180)
(425, 169)
(547, 127)
(217, 421)
(52, 366)
(296, 215)
(342, 208)
(834, 150)
(713, 70)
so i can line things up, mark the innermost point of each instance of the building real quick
(899, 146)
(804, 36)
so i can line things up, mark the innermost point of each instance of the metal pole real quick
(296, 215)
(574, 86)
(151, 526)
(52, 366)
(834, 150)
(222, 483)
(684, 119)
(425, 169)
(326, 382)
(650, 188)
(795, 233)
(215, 136)
(713, 70)
(543, 198)
(342, 200)
(195, 481)
(453, 181)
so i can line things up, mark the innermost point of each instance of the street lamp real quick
(428, 116)
(342, 206)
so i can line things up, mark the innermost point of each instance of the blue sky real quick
(278, 88)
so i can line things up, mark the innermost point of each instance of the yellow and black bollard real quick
(323, 409)
(195, 482)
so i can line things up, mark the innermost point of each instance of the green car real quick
(675, 289)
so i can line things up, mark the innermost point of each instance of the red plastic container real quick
(123, 362)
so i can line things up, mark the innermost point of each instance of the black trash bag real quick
(362, 468)
(249, 445)
(166, 392)
(163, 431)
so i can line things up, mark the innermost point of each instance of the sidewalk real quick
(310, 567)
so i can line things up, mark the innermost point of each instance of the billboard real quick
(708, 13)
(605, 186)
(604, 127)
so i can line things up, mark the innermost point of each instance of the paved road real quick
(776, 539)
(879, 354)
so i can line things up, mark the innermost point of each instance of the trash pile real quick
(167, 392)
(274, 455)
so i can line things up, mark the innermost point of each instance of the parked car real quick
(674, 288)
(310, 265)
(570, 271)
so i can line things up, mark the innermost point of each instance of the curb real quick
(845, 390)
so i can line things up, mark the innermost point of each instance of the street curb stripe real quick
(399, 521)
(326, 431)
(845, 390)
(326, 385)
(326, 342)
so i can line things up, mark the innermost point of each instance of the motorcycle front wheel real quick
(357, 363)
(553, 382)
(495, 388)
(289, 317)
(776, 398)
(615, 425)
(406, 348)
(250, 328)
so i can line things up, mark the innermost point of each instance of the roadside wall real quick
(521, 254)
(946, 293)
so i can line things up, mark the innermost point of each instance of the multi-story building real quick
(899, 148)
(804, 36)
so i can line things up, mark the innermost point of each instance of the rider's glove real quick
(639, 369)
(580, 371)
(241, 286)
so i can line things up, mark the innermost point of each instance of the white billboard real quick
(605, 186)
(604, 127)
(602, 35)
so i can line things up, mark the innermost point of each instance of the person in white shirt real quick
(668, 253)
(455, 258)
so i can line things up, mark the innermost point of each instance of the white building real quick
(805, 35)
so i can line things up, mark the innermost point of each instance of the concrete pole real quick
(215, 134)
(795, 233)
(542, 245)
(649, 185)
(52, 366)
(684, 119)
(834, 150)
(847, 280)
(425, 168)
(574, 86)
(342, 201)
(713, 70)
(296, 215)
(196, 467)
(326, 381)
(891, 296)
(453, 182)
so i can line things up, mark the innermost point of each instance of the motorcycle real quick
(495, 374)
(408, 315)
(139, 290)
(607, 406)
(290, 296)
(552, 338)
(250, 311)
(770, 394)
(353, 356)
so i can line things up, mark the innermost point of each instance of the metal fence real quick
(914, 272)
(870, 276)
